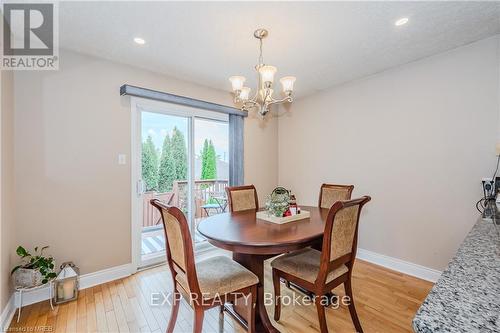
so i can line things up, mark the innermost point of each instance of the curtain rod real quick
(130, 90)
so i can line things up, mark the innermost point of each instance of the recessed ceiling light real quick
(139, 41)
(401, 21)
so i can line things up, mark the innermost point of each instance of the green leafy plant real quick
(45, 264)
(278, 201)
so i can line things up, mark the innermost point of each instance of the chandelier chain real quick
(261, 57)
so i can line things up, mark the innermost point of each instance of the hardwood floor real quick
(386, 302)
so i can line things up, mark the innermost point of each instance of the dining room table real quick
(252, 240)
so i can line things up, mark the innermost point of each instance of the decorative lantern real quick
(66, 283)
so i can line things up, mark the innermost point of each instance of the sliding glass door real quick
(180, 158)
(211, 169)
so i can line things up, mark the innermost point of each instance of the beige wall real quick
(418, 139)
(7, 233)
(70, 126)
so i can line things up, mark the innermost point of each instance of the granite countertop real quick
(466, 297)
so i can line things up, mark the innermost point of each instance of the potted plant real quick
(34, 270)
(278, 202)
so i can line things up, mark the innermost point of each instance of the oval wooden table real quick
(253, 240)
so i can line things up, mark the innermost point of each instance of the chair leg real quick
(198, 319)
(175, 311)
(321, 315)
(352, 309)
(277, 295)
(251, 312)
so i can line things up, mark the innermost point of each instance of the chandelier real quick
(263, 97)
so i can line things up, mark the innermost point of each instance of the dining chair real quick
(205, 284)
(321, 272)
(331, 193)
(242, 198)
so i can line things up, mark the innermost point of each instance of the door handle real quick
(139, 187)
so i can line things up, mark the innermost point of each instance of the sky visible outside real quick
(158, 125)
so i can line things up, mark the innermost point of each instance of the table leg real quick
(255, 263)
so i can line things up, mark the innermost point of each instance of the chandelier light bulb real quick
(267, 73)
(244, 94)
(237, 82)
(287, 83)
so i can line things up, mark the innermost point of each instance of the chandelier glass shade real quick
(263, 97)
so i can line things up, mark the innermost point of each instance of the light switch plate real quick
(122, 159)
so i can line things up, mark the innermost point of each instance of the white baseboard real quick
(7, 314)
(399, 265)
(105, 275)
(42, 294)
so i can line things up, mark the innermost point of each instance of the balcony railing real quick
(203, 191)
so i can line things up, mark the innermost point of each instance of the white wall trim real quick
(399, 265)
(7, 314)
(105, 275)
(42, 294)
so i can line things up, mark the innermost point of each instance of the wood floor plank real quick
(62, 317)
(124, 301)
(91, 317)
(81, 324)
(111, 320)
(102, 325)
(106, 297)
(120, 314)
(71, 321)
(145, 305)
(147, 291)
(81, 304)
(33, 317)
(112, 287)
(139, 315)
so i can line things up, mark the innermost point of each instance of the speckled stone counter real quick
(467, 296)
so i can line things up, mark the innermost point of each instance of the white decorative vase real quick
(27, 278)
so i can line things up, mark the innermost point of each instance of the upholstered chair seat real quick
(305, 264)
(218, 276)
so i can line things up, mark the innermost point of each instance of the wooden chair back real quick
(341, 236)
(180, 254)
(331, 193)
(242, 198)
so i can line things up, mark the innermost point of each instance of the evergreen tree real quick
(149, 164)
(210, 162)
(166, 171)
(204, 154)
(179, 153)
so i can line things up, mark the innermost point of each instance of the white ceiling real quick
(321, 43)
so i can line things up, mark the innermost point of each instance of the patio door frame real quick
(139, 105)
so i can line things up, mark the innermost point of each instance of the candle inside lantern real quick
(60, 291)
(68, 290)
